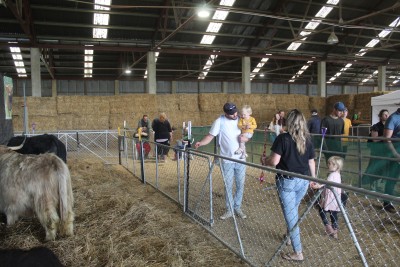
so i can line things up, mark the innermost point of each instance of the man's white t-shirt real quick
(229, 136)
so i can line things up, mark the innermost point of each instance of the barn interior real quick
(102, 64)
(94, 64)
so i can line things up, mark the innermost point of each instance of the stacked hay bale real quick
(348, 101)
(130, 108)
(110, 112)
(42, 112)
(363, 103)
(83, 112)
(318, 103)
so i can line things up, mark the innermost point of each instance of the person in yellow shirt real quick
(346, 130)
(246, 124)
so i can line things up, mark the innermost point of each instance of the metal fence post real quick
(142, 161)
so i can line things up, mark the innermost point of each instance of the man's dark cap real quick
(230, 108)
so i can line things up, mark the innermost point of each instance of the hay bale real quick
(212, 102)
(42, 106)
(65, 122)
(348, 101)
(318, 103)
(121, 222)
(302, 103)
(363, 103)
(208, 117)
(83, 105)
(109, 112)
(44, 123)
(166, 103)
(188, 102)
(132, 104)
(91, 122)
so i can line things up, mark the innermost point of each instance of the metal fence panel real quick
(367, 233)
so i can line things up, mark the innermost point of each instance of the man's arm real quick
(388, 134)
(374, 134)
(205, 141)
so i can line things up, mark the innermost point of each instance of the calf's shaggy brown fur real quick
(38, 184)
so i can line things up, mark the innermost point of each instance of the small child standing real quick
(328, 203)
(246, 124)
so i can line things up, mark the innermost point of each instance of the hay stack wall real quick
(109, 112)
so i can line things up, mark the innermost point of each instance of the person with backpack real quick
(229, 137)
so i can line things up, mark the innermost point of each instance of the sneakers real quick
(330, 231)
(240, 214)
(239, 151)
(293, 256)
(229, 214)
(226, 215)
(335, 233)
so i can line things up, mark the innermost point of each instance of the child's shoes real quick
(239, 151)
(329, 230)
(335, 233)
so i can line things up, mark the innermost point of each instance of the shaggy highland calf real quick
(39, 144)
(36, 184)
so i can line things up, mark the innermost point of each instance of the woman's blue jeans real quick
(291, 191)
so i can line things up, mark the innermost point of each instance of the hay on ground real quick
(121, 222)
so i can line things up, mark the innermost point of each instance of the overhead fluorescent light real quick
(203, 12)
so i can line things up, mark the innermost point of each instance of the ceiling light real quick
(128, 71)
(332, 39)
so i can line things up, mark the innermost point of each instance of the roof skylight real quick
(395, 23)
(259, 67)
(18, 61)
(156, 54)
(322, 13)
(207, 67)
(214, 27)
(101, 19)
(88, 65)
(220, 14)
(207, 39)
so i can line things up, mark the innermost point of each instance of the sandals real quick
(293, 256)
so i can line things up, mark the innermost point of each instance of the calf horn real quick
(16, 147)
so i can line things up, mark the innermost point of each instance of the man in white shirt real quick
(229, 136)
